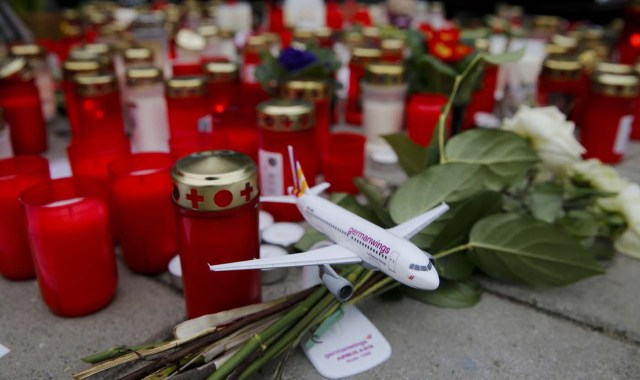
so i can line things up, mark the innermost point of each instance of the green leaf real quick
(456, 266)
(505, 156)
(424, 238)
(579, 223)
(411, 156)
(512, 56)
(545, 202)
(377, 201)
(514, 248)
(451, 182)
(450, 294)
(311, 236)
(602, 249)
(471, 82)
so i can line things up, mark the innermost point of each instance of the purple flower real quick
(294, 59)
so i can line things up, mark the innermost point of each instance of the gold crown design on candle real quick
(221, 71)
(137, 56)
(15, 67)
(215, 180)
(384, 74)
(142, 76)
(625, 86)
(186, 87)
(75, 67)
(561, 68)
(614, 68)
(363, 56)
(95, 85)
(310, 90)
(281, 115)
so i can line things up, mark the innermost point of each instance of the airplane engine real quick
(339, 286)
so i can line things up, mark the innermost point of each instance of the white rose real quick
(550, 133)
(629, 204)
(602, 177)
(629, 243)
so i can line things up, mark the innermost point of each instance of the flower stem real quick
(453, 250)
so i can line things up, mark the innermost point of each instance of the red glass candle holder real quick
(142, 211)
(216, 197)
(285, 123)
(605, 133)
(423, 112)
(180, 68)
(344, 161)
(20, 100)
(562, 84)
(68, 224)
(224, 86)
(635, 133)
(360, 58)
(484, 99)
(100, 109)
(197, 142)
(16, 175)
(91, 158)
(188, 106)
(72, 68)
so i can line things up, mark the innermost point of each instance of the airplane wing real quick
(333, 254)
(412, 226)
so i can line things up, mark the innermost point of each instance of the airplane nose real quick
(430, 280)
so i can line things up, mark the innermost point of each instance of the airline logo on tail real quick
(299, 182)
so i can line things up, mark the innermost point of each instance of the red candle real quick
(224, 86)
(251, 92)
(392, 50)
(143, 215)
(482, 100)
(608, 119)
(100, 109)
(360, 58)
(187, 106)
(70, 69)
(635, 133)
(344, 161)
(216, 198)
(16, 175)
(20, 99)
(283, 123)
(423, 112)
(68, 224)
(561, 84)
(91, 157)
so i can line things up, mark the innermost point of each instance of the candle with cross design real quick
(216, 197)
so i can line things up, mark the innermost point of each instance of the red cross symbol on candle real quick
(195, 198)
(246, 193)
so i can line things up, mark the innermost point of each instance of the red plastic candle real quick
(16, 175)
(224, 86)
(216, 198)
(482, 100)
(91, 158)
(561, 84)
(68, 224)
(392, 50)
(608, 119)
(20, 100)
(71, 69)
(344, 161)
(251, 92)
(142, 211)
(360, 58)
(187, 106)
(100, 109)
(283, 123)
(423, 112)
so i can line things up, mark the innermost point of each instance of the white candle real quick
(383, 111)
(148, 115)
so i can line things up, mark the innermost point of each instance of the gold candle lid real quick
(561, 68)
(553, 49)
(614, 68)
(364, 56)
(98, 48)
(93, 52)
(568, 42)
(190, 40)
(95, 85)
(304, 36)
(214, 180)
(73, 67)
(137, 55)
(15, 67)
(208, 31)
(256, 44)
(392, 45)
(384, 74)
(310, 90)
(546, 22)
(142, 76)
(371, 34)
(221, 71)
(352, 39)
(323, 33)
(186, 87)
(28, 51)
(282, 115)
(625, 86)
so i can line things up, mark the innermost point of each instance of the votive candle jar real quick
(383, 101)
(100, 109)
(392, 50)
(68, 224)
(285, 123)
(92, 157)
(635, 133)
(562, 84)
(187, 106)
(423, 113)
(608, 119)
(223, 83)
(16, 175)
(6, 150)
(142, 212)
(360, 58)
(252, 92)
(216, 199)
(70, 69)
(20, 100)
(344, 161)
(146, 109)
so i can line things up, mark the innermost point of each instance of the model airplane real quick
(357, 241)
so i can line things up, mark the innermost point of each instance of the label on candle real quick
(271, 173)
(345, 344)
(624, 132)
(205, 124)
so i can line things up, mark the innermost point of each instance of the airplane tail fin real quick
(300, 185)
